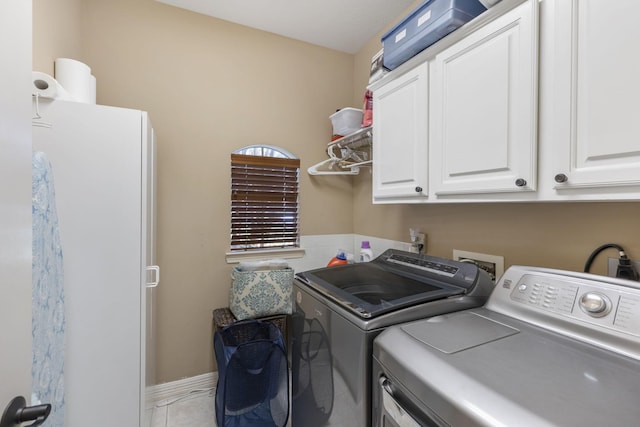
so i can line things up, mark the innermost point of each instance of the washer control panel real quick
(602, 304)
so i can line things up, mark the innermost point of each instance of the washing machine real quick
(340, 310)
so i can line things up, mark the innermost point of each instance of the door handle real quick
(392, 408)
(154, 283)
(17, 412)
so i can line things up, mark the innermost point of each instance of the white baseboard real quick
(180, 388)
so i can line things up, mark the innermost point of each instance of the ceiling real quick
(344, 25)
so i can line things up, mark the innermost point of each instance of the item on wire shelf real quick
(346, 121)
(367, 116)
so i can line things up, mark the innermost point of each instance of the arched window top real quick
(265, 151)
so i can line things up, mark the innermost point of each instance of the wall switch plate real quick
(492, 264)
(612, 266)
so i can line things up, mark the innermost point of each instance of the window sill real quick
(260, 255)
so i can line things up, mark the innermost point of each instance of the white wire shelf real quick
(346, 155)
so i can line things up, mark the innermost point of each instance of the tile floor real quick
(194, 410)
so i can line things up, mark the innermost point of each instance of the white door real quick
(483, 114)
(595, 94)
(400, 144)
(15, 200)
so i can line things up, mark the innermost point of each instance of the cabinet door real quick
(483, 110)
(596, 94)
(400, 154)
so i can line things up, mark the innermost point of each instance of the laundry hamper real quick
(253, 378)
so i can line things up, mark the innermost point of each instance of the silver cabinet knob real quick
(560, 178)
(521, 182)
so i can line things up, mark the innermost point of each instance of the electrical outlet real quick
(612, 266)
(492, 264)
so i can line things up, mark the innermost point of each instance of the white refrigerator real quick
(103, 163)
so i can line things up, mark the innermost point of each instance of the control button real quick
(522, 288)
(595, 304)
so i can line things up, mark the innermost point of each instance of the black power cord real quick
(625, 268)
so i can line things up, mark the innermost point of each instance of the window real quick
(264, 199)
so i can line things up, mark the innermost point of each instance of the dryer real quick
(550, 348)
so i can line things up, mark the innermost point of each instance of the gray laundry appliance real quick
(550, 348)
(340, 310)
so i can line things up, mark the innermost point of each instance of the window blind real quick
(264, 202)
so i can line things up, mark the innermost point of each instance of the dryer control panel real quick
(589, 307)
(603, 304)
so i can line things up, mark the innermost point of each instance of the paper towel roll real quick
(92, 90)
(47, 87)
(76, 77)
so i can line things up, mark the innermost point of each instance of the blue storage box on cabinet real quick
(427, 24)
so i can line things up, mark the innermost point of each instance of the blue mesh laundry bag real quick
(253, 377)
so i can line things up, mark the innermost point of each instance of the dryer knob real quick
(595, 304)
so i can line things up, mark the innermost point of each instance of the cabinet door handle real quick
(521, 182)
(418, 189)
(560, 178)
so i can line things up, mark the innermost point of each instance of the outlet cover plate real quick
(496, 260)
(612, 266)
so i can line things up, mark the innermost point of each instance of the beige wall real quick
(212, 87)
(56, 32)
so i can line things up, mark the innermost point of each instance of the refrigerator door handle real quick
(154, 283)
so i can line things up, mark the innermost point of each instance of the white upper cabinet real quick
(593, 106)
(534, 100)
(400, 117)
(483, 110)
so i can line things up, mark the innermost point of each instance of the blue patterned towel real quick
(48, 295)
